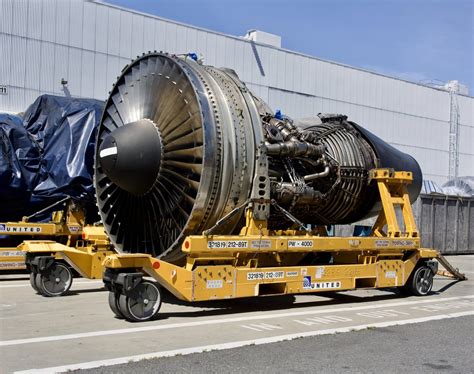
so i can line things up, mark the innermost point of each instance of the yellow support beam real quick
(393, 192)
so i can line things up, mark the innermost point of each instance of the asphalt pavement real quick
(429, 347)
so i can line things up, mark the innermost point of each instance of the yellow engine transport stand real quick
(259, 261)
(65, 227)
(75, 247)
(51, 264)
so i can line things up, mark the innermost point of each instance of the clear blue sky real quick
(412, 39)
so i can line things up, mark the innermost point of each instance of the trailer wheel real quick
(114, 304)
(142, 303)
(56, 282)
(421, 281)
(33, 281)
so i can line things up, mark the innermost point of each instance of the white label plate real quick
(222, 244)
(215, 283)
(260, 275)
(300, 243)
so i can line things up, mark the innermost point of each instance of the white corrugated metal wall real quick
(88, 43)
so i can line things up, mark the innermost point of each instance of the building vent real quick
(457, 87)
(263, 38)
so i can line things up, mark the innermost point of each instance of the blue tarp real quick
(47, 155)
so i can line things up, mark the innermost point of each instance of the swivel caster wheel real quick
(114, 304)
(56, 282)
(33, 281)
(420, 282)
(142, 304)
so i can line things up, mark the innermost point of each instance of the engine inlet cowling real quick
(176, 152)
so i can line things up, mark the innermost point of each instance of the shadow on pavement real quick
(267, 303)
(447, 286)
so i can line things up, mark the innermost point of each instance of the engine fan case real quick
(209, 128)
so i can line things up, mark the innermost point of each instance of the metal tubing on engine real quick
(324, 173)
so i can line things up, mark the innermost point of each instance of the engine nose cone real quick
(131, 155)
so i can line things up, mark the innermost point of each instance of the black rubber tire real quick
(143, 303)
(33, 281)
(38, 284)
(114, 305)
(420, 282)
(56, 282)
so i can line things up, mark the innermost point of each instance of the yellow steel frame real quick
(259, 261)
(393, 193)
(65, 224)
(87, 257)
(208, 282)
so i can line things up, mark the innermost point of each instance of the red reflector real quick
(186, 244)
(156, 265)
(83, 236)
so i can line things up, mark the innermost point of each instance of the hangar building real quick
(86, 43)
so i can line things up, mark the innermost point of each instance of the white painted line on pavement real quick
(261, 327)
(131, 330)
(29, 285)
(14, 285)
(237, 344)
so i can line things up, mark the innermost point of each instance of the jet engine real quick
(182, 145)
